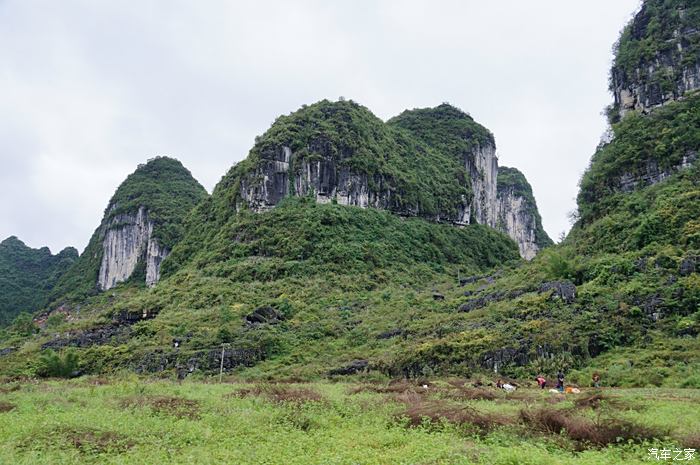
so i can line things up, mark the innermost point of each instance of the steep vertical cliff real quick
(142, 222)
(657, 57)
(129, 240)
(517, 214)
(340, 152)
(28, 275)
(448, 130)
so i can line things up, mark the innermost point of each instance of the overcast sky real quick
(89, 89)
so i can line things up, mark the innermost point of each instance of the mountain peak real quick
(657, 58)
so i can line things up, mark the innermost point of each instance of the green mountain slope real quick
(27, 276)
(166, 190)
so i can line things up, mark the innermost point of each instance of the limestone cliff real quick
(434, 163)
(517, 214)
(340, 152)
(142, 222)
(128, 241)
(657, 57)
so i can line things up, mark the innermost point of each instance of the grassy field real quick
(131, 420)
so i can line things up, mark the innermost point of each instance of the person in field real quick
(541, 381)
(560, 381)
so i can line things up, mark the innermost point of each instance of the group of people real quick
(542, 381)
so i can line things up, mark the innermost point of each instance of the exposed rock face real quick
(515, 220)
(656, 65)
(651, 173)
(517, 215)
(155, 254)
(356, 366)
(274, 179)
(264, 315)
(482, 164)
(563, 290)
(142, 223)
(127, 242)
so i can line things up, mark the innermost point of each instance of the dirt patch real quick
(178, 407)
(436, 412)
(85, 440)
(466, 393)
(10, 388)
(279, 394)
(99, 381)
(6, 407)
(585, 431)
(692, 441)
(596, 401)
(397, 387)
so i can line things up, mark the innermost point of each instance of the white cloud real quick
(90, 89)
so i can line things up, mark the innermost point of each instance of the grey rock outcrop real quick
(651, 173)
(143, 221)
(356, 366)
(515, 219)
(279, 175)
(482, 165)
(563, 290)
(517, 214)
(264, 315)
(128, 241)
(669, 66)
(274, 179)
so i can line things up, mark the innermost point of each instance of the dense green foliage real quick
(512, 180)
(167, 191)
(663, 214)
(413, 298)
(445, 128)
(27, 276)
(53, 365)
(654, 33)
(304, 238)
(640, 143)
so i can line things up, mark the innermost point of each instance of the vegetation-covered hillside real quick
(400, 161)
(445, 128)
(655, 33)
(27, 276)
(644, 149)
(166, 189)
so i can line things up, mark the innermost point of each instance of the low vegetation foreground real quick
(128, 420)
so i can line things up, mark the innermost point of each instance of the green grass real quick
(126, 421)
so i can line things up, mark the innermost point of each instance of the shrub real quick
(52, 365)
